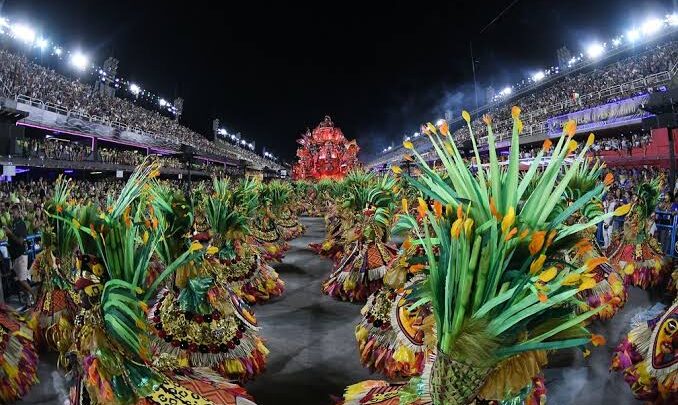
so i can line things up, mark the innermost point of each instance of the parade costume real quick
(18, 357)
(228, 213)
(280, 196)
(57, 303)
(648, 355)
(634, 251)
(265, 230)
(498, 290)
(199, 321)
(610, 291)
(111, 358)
(367, 254)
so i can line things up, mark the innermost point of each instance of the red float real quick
(325, 153)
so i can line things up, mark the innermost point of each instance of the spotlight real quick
(162, 102)
(595, 50)
(23, 33)
(79, 60)
(633, 35)
(538, 76)
(651, 26)
(42, 43)
(135, 89)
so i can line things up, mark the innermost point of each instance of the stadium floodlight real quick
(595, 50)
(505, 91)
(23, 33)
(79, 60)
(633, 35)
(162, 102)
(42, 43)
(221, 131)
(243, 142)
(407, 138)
(251, 146)
(416, 134)
(4, 23)
(616, 42)
(651, 26)
(135, 89)
(58, 51)
(538, 76)
(672, 19)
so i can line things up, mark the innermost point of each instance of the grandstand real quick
(85, 118)
(603, 93)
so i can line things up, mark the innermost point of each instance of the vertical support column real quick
(94, 155)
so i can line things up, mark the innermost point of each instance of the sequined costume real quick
(18, 357)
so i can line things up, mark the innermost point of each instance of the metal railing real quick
(226, 149)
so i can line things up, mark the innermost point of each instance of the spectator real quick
(17, 251)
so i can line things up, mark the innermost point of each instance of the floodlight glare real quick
(633, 35)
(79, 60)
(506, 91)
(651, 26)
(616, 42)
(135, 89)
(42, 43)
(595, 50)
(23, 33)
(163, 102)
(672, 19)
(538, 76)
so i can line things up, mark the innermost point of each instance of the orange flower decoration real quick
(444, 128)
(609, 179)
(598, 340)
(59, 209)
(537, 264)
(537, 242)
(590, 139)
(591, 264)
(460, 210)
(493, 210)
(438, 209)
(552, 235)
(570, 128)
(422, 209)
(547, 145)
(515, 112)
(487, 119)
(407, 243)
(511, 234)
(542, 297)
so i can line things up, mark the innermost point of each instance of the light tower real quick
(178, 108)
(106, 83)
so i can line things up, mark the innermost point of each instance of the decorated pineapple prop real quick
(197, 322)
(498, 289)
(229, 211)
(360, 271)
(53, 267)
(636, 252)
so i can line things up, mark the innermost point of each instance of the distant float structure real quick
(325, 153)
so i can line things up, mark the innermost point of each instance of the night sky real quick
(271, 71)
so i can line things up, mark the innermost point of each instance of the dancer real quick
(53, 268)
(367, 253)
(635, 251)
(111, 357)
(499, 293)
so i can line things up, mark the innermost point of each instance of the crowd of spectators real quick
(580, 91)
(19, 76)
(75, 151)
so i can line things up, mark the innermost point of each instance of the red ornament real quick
(325, 153)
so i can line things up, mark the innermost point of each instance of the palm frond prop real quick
(497, 286)
(230, 208)
(59, 236)
(176, 218)
(585, 180)
(648, 198)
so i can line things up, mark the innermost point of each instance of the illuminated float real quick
(325, 153)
